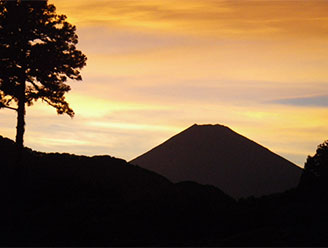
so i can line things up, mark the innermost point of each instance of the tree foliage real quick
(316, 169)
(38, 55)
(38, 47)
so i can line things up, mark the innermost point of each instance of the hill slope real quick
(216, 155)
(69, 200)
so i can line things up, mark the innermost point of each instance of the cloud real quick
(209, 17)
(101, 40)
(314, 101)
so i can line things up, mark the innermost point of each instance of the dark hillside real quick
(68, 199)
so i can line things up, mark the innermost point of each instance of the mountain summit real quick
(216, 155)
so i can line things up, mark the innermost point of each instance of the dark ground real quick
(69, 200)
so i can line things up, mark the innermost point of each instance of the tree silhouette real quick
(315, 174)
(38, 54)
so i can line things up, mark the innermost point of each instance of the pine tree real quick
(38, 55)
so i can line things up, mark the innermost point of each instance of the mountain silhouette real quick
(216, 155)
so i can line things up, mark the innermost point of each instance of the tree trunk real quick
(20, 129)
(20, 167)
(17, 174)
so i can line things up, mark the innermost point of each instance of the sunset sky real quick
(156, 67)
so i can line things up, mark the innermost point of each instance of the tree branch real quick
(4, 106)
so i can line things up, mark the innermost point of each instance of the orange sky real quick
(156, 67)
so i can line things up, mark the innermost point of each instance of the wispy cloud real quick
(206, 17)
(313, 101)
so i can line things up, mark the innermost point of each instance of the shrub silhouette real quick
(315, 176)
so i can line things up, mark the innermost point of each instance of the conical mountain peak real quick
(208, 126)
(216, 155)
